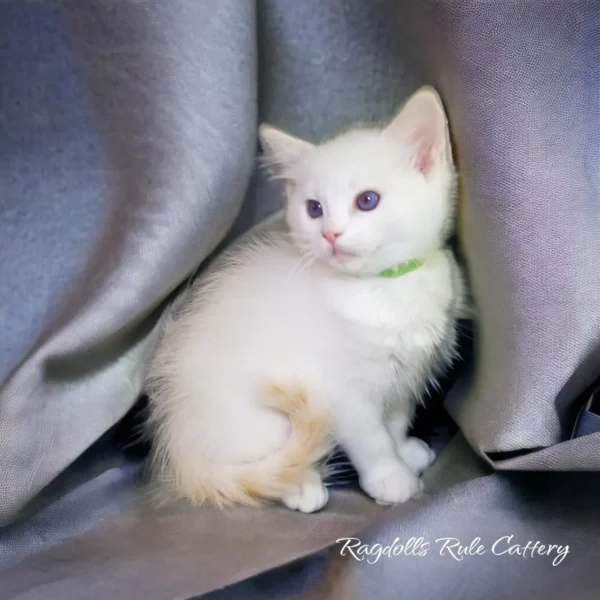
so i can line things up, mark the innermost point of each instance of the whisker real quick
(297, 268)
(305, 262)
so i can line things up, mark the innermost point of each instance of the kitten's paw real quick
(416, 454)
(307, 497)
(392, 484)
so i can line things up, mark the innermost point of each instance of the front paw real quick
(416, 454)
(391, 484)
(308, 496)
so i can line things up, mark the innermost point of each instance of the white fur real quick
(284, 309)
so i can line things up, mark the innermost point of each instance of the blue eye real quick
(314, 209)
(367, 200)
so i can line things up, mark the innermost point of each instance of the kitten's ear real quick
(281, 149)
(422, 127)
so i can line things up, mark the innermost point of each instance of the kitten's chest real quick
(405, 319)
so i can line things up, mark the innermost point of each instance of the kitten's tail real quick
(250, 484)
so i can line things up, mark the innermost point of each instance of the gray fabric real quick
(134, 148)
(539, 508)
(534, 508)
(127, 146)
(521, 82)
(177, 552)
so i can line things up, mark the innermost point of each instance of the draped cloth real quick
(128, 158)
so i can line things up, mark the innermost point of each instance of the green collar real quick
(401, 269)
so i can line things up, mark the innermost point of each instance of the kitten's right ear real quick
(421, 126)
(282, 150)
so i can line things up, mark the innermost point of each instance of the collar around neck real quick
(401, 269)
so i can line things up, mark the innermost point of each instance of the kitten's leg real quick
(415, 452)
(308, 496)
(383, 475)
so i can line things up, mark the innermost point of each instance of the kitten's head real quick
(369, 199)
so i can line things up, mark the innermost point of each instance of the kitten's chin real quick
(350, 264)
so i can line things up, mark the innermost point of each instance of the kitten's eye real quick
(367, 200)
(314, 209)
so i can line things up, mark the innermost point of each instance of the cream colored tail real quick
(252, 483)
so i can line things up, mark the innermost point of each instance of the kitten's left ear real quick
(281, 149)
(422, 127)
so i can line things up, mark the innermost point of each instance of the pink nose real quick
(331, 236)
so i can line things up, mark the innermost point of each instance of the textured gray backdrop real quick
(127, 154)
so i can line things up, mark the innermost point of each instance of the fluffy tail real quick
(249, 484)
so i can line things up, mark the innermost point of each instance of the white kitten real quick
(326, 334)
